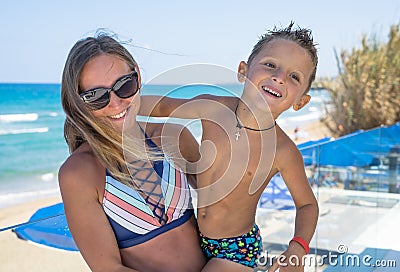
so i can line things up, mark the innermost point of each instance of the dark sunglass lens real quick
(127, 89)
(101, 102)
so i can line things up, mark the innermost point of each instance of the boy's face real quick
(280, 72)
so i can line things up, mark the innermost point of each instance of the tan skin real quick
(283, 67)
(82, 182)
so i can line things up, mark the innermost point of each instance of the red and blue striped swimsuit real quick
(130, 216)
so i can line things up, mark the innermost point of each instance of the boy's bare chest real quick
(247, 159)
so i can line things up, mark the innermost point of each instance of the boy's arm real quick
(191, 108)
(294, 175)
(291, 167)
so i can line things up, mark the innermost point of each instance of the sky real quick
(37, 35)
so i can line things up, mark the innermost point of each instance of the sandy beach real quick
(20, 255)
(310, 131)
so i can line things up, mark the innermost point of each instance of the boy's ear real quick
(302, 102)
(242, 71)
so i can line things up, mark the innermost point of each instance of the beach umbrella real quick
(48, 226)
(315, 142)
(276, 195)
(359, 149)
(309, 149)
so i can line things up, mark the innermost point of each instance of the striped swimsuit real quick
(129, 214)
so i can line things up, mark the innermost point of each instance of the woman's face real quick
(103, 71)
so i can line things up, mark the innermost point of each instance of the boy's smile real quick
(272, 91)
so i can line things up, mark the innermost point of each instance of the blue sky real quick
(37, 35)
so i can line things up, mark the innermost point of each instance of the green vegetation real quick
(366, 92)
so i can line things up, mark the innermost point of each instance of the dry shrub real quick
(366, 92)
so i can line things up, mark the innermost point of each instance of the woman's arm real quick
(78, 180)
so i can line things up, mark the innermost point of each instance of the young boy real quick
(242, 148)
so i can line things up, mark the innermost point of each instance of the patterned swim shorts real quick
(244, 249)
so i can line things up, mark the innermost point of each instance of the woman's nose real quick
(114, 99)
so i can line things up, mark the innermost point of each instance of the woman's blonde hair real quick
(80, 124)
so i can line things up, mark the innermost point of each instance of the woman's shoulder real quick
(175, 140)
(82, 164)
(160, 132)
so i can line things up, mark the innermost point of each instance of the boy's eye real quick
(270, 65)
(295, 77)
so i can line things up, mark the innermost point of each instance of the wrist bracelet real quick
(301, 242)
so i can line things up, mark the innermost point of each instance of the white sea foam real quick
(19, 117)
(48, 177)
(23, 130)
(9, 199)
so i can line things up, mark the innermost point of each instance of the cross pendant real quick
(237, 134)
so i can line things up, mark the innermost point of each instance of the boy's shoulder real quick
(284, 144)
(286, 148)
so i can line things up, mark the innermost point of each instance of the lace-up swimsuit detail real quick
(167, 203)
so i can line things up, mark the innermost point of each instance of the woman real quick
(133, 216)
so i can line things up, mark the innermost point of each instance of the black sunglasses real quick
(97, 98)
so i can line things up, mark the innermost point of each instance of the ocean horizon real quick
(32, 145)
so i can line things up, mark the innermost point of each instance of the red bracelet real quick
(302, 242)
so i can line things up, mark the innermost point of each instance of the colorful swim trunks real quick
(244, 249)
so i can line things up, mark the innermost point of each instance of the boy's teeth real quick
(271, 92)
(119, 115)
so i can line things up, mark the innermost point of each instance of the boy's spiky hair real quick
(301, 36)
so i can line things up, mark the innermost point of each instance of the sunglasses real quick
(125, 87)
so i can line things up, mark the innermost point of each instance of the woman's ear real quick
(242, 71)
(302, 102)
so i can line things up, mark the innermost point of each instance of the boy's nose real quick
(279, 77)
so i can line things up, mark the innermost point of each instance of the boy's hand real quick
(290, 261)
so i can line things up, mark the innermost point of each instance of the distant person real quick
(296, 134)
(238, 145)
(123, 215)
(299, 134)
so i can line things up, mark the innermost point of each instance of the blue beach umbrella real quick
(309, 149)
(359, 149)
(276, 195)
(48, 226)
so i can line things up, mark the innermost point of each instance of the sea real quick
(32, 145)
